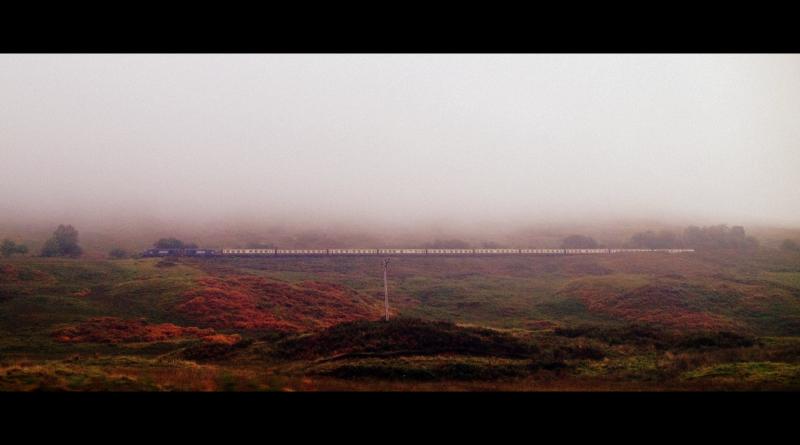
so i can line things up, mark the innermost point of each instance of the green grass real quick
(637, 367)
(790, 279)
(59, 376)
(69, 291)
(520, 299)
(424, 368)
(785, 375)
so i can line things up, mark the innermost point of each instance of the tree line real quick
(710, 237)
(63, 243)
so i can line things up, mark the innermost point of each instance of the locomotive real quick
(180, 252)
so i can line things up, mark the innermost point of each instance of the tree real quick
(64, 242)
(260, 246)
(651, 240)
(118, 253)
(693, 236)
(737, 238)
(491, 245)
(578, 242)
(173, 243)
(22, 249)
(790, 246)
(447, 244)
(719, 237)
(8, 248)
(750, 243)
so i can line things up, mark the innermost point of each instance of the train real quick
(391, 252)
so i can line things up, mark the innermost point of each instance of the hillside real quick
(709, 320)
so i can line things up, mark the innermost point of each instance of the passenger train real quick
(391, 252)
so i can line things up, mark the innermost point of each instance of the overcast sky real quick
(402, 138)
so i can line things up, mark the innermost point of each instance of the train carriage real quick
(301, 252)
(461, 251)
(248, 252)
(352, 251)
(401, 251)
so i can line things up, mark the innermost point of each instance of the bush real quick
(644, 335)
(444, 371)
(631, 334)
(204, 351)
(716, 340)
(580, 352)
(117, 253)
(790, 246)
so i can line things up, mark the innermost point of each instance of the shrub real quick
(117, 253)
(210, 351)
(444, 371)
(644, 335)
(630, 334)
(721, 339)
(790, 246)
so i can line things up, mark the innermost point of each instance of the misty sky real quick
(406, 139)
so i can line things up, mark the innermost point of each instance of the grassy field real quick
(708, 320)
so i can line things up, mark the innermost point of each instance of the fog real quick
(398, 142)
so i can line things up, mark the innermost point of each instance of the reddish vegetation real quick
(82, 293)
(540, 324)
(582, 266)
(223, 339)
(9, 273)
(257, 303)
(117, 330)
(657, 304)
(15, 281)
(657, 264)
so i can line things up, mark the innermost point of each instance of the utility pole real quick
(386, 287)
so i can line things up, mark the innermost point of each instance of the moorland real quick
(715, 319)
